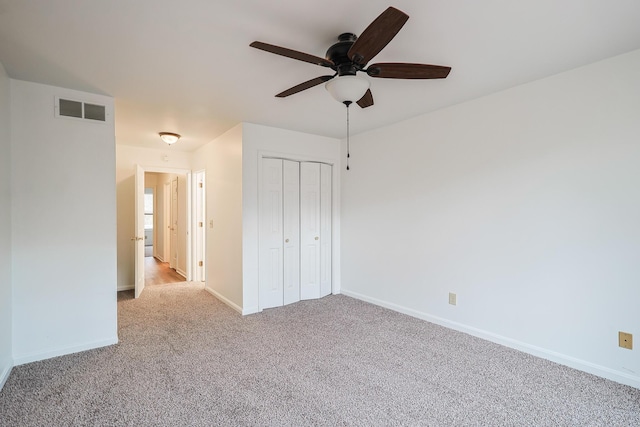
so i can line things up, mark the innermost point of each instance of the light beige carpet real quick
(185, 359)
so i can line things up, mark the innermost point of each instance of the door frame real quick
(199, 232)
(138, 236)
(139, 220)
(166, 222)
(173, 221)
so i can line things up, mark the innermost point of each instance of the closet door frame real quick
(335, 211)
(326, 228)
(271, 235)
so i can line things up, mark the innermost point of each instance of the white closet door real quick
(325, 229)
(309, 230)
(271, 235)
(291, 226)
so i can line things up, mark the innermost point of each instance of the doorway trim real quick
(166, 221)
(199, 213)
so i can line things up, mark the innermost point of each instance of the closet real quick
(295, 231)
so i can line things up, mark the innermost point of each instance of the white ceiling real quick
(186, 66)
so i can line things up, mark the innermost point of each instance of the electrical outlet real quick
(452, 298)
(625, 340)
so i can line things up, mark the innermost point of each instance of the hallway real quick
(159, 273)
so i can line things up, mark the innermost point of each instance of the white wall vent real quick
(80, 110)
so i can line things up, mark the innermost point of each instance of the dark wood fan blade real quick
(377, 35)
(304, 86)
(399, 70)
(294, 54)
(366, 100)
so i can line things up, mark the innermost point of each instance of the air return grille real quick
(81, 110)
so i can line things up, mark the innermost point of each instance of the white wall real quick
(150, 181)
(63, 225)
(6, 359)
(260, 140)
(231, 163)
(222, 159)
(525, 203)
(126, 159)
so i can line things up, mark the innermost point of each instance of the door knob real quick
(317, 238)
(286, 241)
(137, 238)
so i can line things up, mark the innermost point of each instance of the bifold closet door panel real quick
(309, 230)
(295, 231)
(271, 234)
(291, 186)
(325, 228)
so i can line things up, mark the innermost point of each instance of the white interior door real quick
(291, 231)
(325, 229)
(173, 240)
(138, 238)
(271, 235)
(309, 230)
(166, 222)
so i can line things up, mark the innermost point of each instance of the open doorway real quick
(166, 228)
(165, 215)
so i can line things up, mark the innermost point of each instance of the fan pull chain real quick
(347, 103)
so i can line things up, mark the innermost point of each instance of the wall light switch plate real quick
(625, 340)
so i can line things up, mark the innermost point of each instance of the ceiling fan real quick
(351, 54)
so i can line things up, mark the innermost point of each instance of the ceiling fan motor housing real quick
(338, 55)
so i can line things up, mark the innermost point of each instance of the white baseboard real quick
(225, 300)
(182, 273)
(562, 359)
(61, 351)
(4, 375)
(126, 288)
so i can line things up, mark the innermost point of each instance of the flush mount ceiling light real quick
(169, 137)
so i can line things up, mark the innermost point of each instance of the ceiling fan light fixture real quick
(347, 88)
(169, 137)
